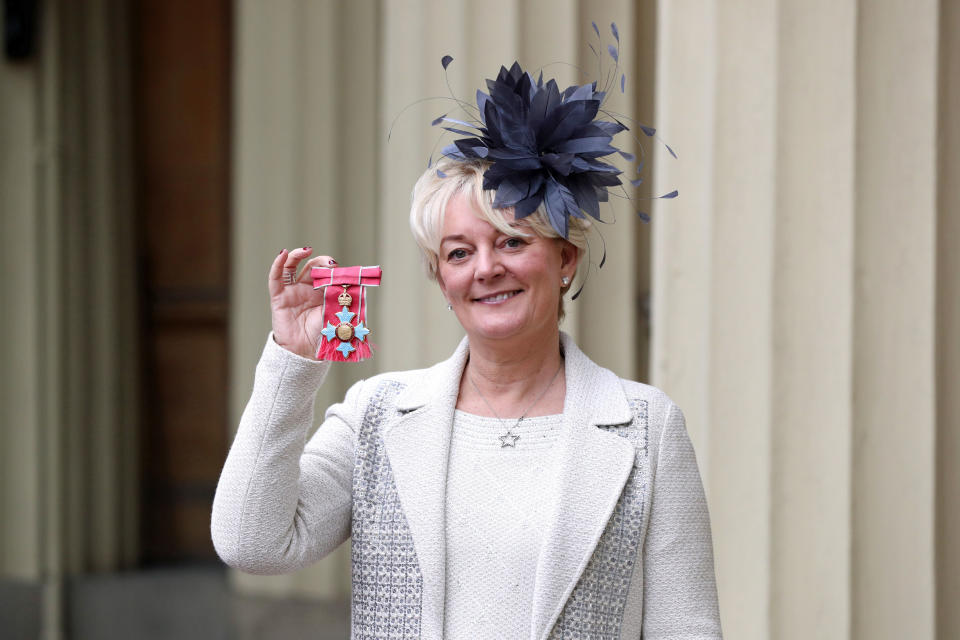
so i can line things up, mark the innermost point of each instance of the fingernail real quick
(305, 248)
(281, 251)
(332, 261)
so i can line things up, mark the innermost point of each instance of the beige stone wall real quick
(805, 304)
(68, 366)
(804, 286)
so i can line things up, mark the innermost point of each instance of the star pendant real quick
(508, 440)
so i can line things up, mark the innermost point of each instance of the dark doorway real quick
(182, 94)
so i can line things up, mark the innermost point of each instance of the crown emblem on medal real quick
(345, 299)
(344, 337)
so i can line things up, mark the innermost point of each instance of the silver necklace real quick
(509, 439)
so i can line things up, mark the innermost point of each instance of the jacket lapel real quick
(593, 467)
(418, 445)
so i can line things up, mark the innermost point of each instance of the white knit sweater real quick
(499, 504)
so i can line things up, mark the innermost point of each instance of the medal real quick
(344, 335)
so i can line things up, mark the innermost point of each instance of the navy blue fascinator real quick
(545, 145)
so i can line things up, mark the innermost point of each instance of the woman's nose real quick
(488, 265)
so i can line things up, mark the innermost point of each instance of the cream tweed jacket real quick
(628, 553)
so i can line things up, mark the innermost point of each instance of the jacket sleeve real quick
(283, 503)
(680, 594)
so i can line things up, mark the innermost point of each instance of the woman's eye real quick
(457, 254)
(513, 243)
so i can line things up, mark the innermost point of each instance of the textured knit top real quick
(499, 504)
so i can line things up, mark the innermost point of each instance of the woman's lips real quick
(497, 298)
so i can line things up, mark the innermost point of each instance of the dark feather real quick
(585, 195)
(510, 192)
(528, 205)
(545, 145)
(482, 102)
(559, 204)
(559, 162)
(460, 122)
(585, 145)
(459, 131)
(452, 151)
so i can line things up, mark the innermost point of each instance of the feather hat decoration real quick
(545, 145)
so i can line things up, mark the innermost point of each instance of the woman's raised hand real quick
(294, 305)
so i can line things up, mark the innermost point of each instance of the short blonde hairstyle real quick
(432, 194)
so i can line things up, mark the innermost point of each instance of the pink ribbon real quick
(332, 280)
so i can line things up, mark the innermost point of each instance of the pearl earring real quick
(449, 307)
(564, 280)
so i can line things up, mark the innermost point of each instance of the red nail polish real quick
(332, 261)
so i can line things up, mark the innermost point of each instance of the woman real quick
(516, 490)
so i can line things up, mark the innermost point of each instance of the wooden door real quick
(181, 84)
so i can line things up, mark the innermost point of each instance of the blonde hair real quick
(432, 194)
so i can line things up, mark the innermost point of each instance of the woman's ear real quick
(569, 258)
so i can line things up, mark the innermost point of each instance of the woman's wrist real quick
(292, 349)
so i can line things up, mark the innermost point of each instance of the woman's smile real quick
(500, 285)
(498, 298)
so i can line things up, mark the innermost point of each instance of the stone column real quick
(795, 304)
(894, 321)
(69, 361)
(948, 327)
(713, 278)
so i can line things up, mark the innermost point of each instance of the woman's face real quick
(500, 286)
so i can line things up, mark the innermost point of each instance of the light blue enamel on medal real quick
(329, 332)
(359, 332)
